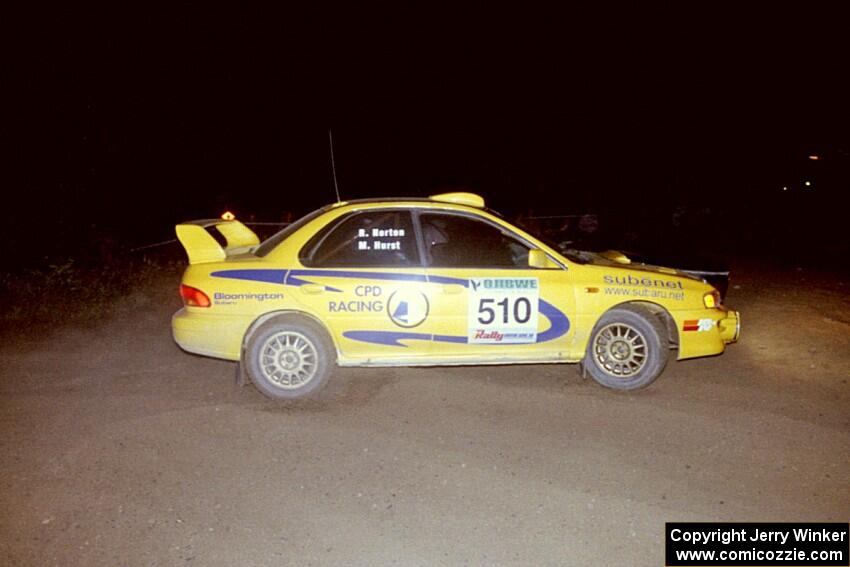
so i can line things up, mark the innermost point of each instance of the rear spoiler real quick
(202, 247)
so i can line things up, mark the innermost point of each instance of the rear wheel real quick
(288, 358)
(626, 350)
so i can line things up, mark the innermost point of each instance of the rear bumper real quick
(208, 335)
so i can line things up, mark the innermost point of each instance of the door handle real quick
(312, 289)
(452, 289)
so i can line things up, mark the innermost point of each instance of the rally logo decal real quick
(501, 310)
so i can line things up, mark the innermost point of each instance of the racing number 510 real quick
(521, 310)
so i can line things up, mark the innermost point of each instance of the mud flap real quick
(241, 379)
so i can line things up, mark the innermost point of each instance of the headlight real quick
(711, 299)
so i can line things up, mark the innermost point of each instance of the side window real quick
(367, 239)
(454, 241)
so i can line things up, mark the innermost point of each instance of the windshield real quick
(578, 256)
(271, 242)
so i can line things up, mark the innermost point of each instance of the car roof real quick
(454, 198)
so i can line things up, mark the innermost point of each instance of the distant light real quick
(785, 188)
(814, 158)
(227, 215)
(808, 184)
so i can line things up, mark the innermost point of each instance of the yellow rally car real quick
(438, 281)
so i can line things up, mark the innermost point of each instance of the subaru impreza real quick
(436, 281)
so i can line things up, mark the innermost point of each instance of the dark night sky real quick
(132, 121)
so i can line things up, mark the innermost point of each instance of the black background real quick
(672, 123)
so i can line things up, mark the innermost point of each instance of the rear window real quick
(272, 242)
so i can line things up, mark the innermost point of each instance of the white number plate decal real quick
(503, 310)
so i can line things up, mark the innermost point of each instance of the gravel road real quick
(119, 449)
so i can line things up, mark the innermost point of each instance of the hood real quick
(617, 259)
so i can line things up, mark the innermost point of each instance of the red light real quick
(193, 297)
(814, 158)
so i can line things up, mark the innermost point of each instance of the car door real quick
(490, 305)
(363, 277)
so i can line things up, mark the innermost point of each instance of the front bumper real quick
(730, 327)
(706, 332)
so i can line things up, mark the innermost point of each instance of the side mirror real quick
(537, 258)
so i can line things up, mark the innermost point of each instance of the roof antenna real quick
(333, 165)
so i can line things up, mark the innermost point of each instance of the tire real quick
(289, 357)
(627, 350)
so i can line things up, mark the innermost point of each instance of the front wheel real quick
(626, 350)
(288, 358)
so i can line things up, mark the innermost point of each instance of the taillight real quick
(193, 297)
